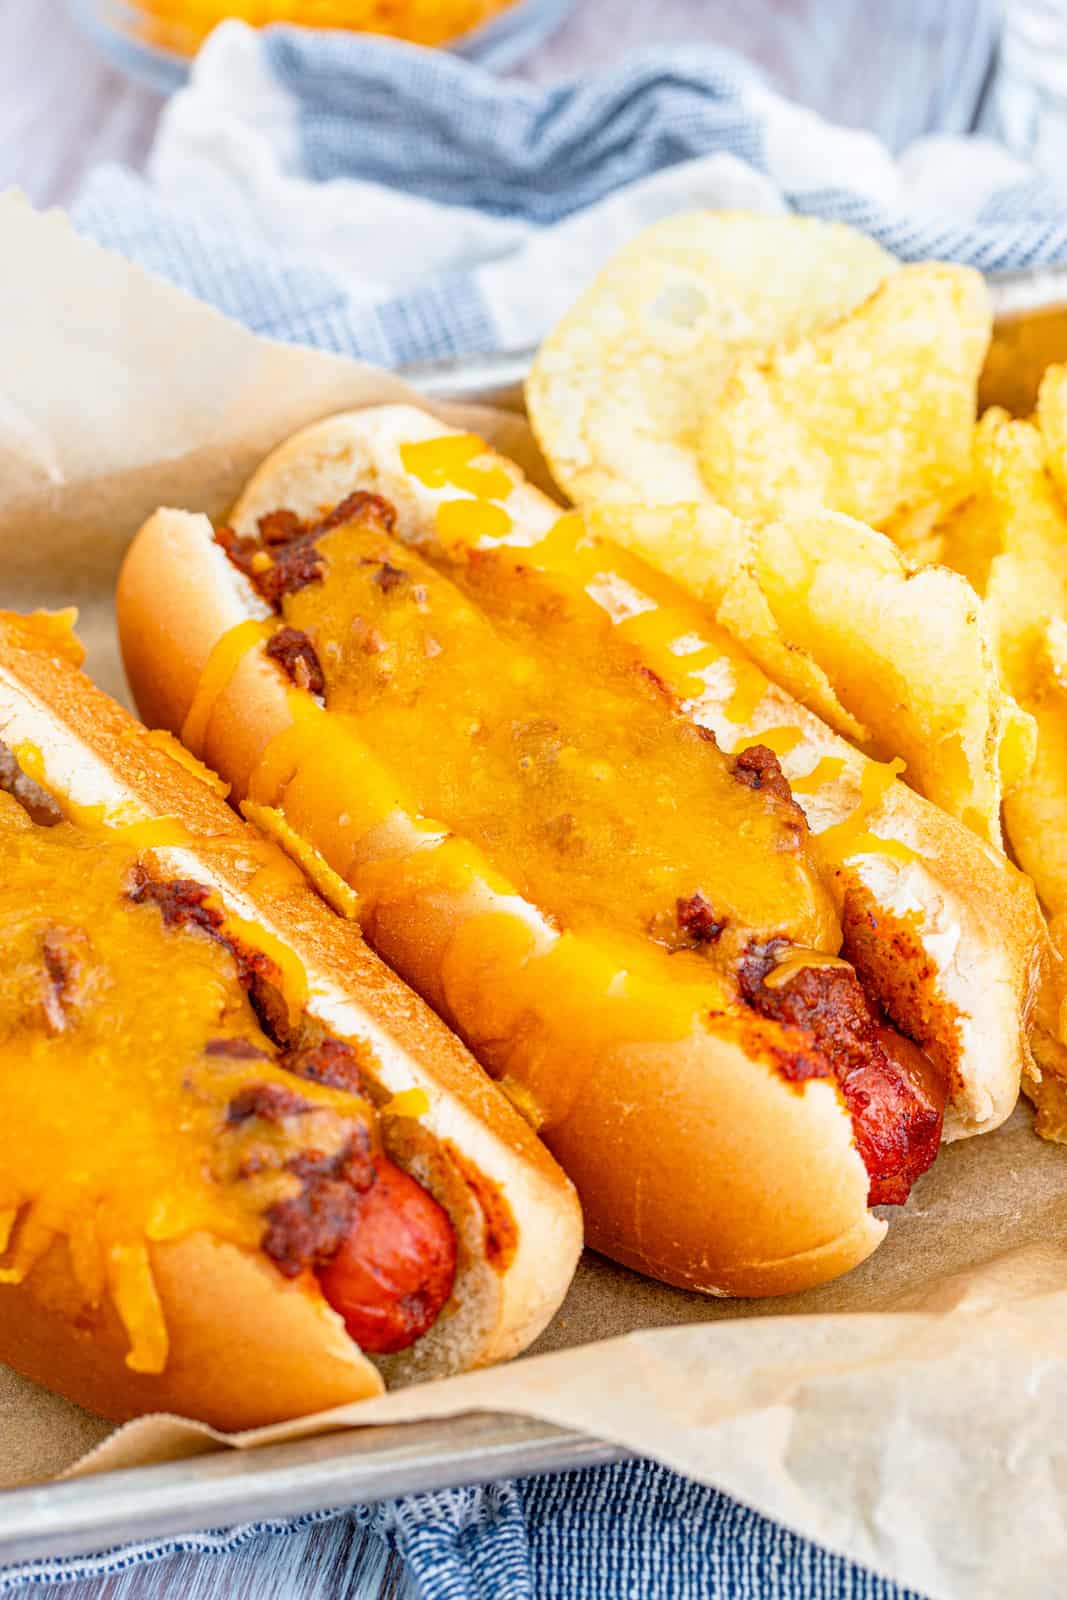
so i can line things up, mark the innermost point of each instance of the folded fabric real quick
(401, 205)
(633, 1531)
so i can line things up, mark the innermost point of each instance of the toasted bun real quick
(248, 1347)
(719, 1175)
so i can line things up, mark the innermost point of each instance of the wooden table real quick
(896, 67)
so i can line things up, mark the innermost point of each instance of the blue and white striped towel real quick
(633, 1531)
(401, 205)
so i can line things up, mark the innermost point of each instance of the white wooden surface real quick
(900, 67)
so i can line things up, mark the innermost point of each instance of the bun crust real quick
(245, 1348)
(248, 1346)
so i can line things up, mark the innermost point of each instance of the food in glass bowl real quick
(182, 25)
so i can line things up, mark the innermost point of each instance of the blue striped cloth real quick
(631, 1531)
(401, 205)
(358, 118)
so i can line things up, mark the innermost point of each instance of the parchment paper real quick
(912, 1415)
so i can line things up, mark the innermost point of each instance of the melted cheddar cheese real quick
(852, 837)
(671, 633)
(451, 460)
(707, 672)
(502, 703)
(221, 666)
(120, 1136)
(51, 631)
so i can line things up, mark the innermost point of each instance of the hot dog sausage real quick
(893, 1093)
(394, 1271)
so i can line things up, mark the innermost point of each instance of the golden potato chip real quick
(968, 539)
(1051, 418)
(1035, 812)
(710, 554)
(618, 391)
(1056, 649)
(1022, 591)
(826, 607)
(1011, 539)
(919, 531)
(1045, 1082)
(869, 417)
(909, 654)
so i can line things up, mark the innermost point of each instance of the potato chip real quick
(1013, 540)
(826, 607)
(1045, 1082)
(919, 531)
(710, 554)
(1010, 538)
(618, 391)
(1051, 418)
(968, 539)
(1027, 594)
(1056, 650)
(869, 417)
(910, 655)
(1035, 812)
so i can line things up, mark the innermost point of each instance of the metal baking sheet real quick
(335, 1470)
(359, 1466)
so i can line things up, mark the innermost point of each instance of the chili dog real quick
(564, 801)
(253, 1175)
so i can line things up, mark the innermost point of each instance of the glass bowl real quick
(119, 30)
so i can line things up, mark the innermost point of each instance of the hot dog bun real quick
(698, 1158)
(248, 1345)
(964, 992)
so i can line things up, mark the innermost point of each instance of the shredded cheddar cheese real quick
(471, 521)
(448, 462)
(851, 838)
(780, 740)
(163, 740)
(333, 888)
(124, 1138)
(502, 702)
(136, 1298)
(793, 960)
(408, 1103)
(670, 632)
(826, 770)
(223, 662)
(51, 631)
(750, 686)
(183, 25)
